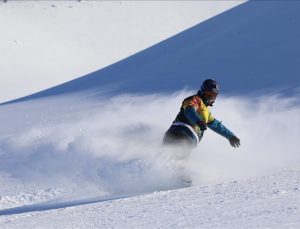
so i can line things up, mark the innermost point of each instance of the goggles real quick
(210, 97)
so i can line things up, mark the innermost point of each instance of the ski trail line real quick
(60, 204)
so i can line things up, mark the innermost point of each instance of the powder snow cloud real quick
(113, 146)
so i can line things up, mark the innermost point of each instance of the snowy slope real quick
(85, 156)
(46, 43)
(262, 202)
(88, 160)
(257, 41)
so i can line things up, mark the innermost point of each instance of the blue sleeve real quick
(219, 128)
(191, 114)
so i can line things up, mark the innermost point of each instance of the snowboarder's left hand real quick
(202, 125)
(234, 141)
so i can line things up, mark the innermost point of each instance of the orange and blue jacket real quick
(194, 110)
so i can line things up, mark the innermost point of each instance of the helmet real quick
(210, 85)
(209, 91)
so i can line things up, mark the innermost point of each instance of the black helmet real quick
(209, 91)
(210, 85)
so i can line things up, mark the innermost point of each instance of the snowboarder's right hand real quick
(202, 125)
(234, 141)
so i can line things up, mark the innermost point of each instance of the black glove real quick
(202, 125)
(234, 141)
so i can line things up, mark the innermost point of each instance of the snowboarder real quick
(194, 118)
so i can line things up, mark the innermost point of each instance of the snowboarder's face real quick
(210, 97)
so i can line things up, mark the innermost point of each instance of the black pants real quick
(180, 135)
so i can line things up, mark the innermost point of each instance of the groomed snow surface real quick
(263, 202)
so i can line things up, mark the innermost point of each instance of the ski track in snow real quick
(58, 204)
(263, 202)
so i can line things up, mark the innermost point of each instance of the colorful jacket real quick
(193, 110)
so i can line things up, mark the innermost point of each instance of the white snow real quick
(85, 160)
(247, 53)
(46, 43)
(261, 202)
(75, 160)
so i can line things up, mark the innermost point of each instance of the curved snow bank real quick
(73, 38)
(253, 47)
(112, 147)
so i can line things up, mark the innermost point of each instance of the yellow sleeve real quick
(194, 102)
(210, 118)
